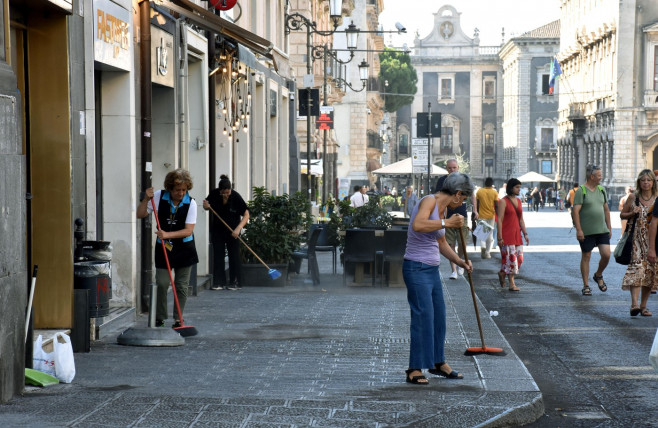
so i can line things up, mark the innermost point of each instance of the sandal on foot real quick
(645, 312)
(418, 380)
(501, 279)
(515, 288)
(635, 311)
(601, 283)
(438, 372)
(587, 291)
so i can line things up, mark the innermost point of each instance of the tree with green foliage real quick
(396, 68)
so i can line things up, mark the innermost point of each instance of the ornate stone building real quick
(530, 111)
(608, 102)
(462, 81)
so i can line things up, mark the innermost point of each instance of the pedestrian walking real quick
(425, 240)
(177, 213)
(641, 275)
(591, 218)
(510, 228)
(452, 235)
(536, 198)
(409, 199)
(486, 200)
(569, 202)
(231, 207)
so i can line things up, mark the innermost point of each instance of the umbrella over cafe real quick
(405, 167)
(535, 177)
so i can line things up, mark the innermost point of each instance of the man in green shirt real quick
(591, 218)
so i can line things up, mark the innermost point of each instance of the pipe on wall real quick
(146, 149)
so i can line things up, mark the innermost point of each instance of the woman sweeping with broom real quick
(176, 211)
(425, 239)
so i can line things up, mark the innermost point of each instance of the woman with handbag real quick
(510, 227)
(641, 273)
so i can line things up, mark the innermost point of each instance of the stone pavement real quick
(291, 356)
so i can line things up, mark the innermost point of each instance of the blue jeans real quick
(428, 314)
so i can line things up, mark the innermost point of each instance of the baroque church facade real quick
(496, 113)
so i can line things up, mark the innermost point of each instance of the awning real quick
(405, 167)
(316, 167)
(211, 22)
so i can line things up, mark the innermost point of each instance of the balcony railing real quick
(577, 111)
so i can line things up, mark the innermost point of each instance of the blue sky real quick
(517, 16)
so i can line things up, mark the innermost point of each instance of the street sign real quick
(419, 155)
(325, 121)
(421, 125)
(309, 80)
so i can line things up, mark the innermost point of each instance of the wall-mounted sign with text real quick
(112, 34)
(325, 121)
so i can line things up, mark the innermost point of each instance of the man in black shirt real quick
(230, 206)
(452, 235)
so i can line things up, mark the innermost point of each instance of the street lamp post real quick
(295, 22)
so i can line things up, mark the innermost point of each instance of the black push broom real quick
(477, 350)
(183, 330)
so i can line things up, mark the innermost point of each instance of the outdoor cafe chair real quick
(308, 253)
(395, 244)
(359, 248)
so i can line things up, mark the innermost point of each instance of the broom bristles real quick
(484, 350)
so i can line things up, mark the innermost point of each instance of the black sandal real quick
(587, 291)
(438, 372)
(416, 379)
(602, 286)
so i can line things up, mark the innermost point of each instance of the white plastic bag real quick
(653, 355)
(42, 360)
(64, 364)
(482, 230)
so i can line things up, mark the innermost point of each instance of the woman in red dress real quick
(510, 227)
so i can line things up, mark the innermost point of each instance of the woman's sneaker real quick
(217, 287)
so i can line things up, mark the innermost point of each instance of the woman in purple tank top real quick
(425, 240)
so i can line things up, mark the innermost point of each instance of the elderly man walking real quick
(409, 199)
(591, 218)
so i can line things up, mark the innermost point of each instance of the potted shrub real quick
(276, 228)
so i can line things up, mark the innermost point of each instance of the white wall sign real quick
(112, 34)
(419, 155)
(162, 55)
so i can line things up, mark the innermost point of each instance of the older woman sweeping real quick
(425, 240)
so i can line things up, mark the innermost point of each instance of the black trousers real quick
(221, 244)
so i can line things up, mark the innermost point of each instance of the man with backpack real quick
(591, 218)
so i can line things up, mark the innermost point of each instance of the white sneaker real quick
(454, 275)
(460, 270)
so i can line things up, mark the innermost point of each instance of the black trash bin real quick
(100, 251)
(94, 276)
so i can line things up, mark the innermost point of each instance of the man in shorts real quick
(591, 218)
(452, 235)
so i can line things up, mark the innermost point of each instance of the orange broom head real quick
(478, 350)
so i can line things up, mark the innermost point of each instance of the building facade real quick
(100, 100)
(461, 80)
(529, 104)
(608, 100)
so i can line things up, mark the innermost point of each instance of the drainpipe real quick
(212, 114)
(147, 168)
(182, 97)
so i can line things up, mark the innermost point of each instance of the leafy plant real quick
(395, 66)
(276, 226)
(387, 200)
(370, 215)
